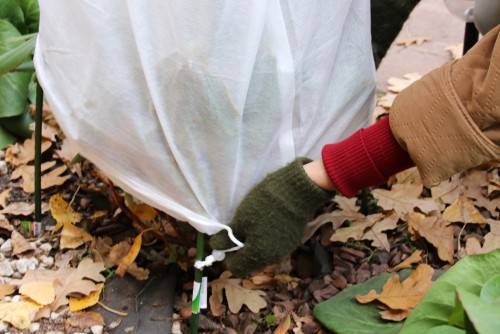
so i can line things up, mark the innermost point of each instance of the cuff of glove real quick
(292, 184)
(365, 159)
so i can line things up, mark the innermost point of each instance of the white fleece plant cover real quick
(188, 104)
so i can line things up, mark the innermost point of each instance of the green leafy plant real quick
(18, 26)
(465, 299)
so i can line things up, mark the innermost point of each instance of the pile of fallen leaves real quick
(96, 231)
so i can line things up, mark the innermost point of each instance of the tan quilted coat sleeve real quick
(449, 120)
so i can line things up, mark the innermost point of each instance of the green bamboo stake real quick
(38, 153)
(198, 273)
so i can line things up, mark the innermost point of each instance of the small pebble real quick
(47, 260)
(16, 298)
(45, 248)
(97, 329)
(54, 315)
(2, 240)
(6, 247)
(34, 327)
(3, 167)
(6, 268)
(23, 265)
(3, 327)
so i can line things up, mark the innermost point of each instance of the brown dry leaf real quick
(406, 264)
(396, 85)
(20, 154)
(463, 210)
(50, 179)
(491, 240)
(30, 170)
(394, 315)
(19, 314)
(78, 304)
(19, 244)
(435, 231)
(370, 228)
(455, 50)
(284, 326)
(132, 254)
(62, 212)
(447, 191)
(405, 295)
(386, 100)
(403, 198)
(42, 292)
(66, 153)
(489, 204)
(22, 209)
(410, 175)
(137, 272)
(378, 113)
(72, 236)
(413, 40)
(6, 289)
(236, 294)
(67, 280)
(48, 132)
(216, 300)
(4, 197)
(85, 320)
(347, 212)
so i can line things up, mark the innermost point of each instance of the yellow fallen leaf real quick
(78, 304)
(144, 212)
(284, 326)
(406, 264)
(236, 295)
(41, 292)
(19, 314)
(19, 154)
(62, 212)
(463, 210)
(132, 254)
(72, 236)
(6, 289)
(435, 231)
(405, 295)
(413, 40)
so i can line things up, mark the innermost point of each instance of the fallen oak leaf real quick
(435, 230)
(402, 296)
(48, 131)
(403, 198)
(284, 326)
(463, 210)
(491, 240)
(22, 209)
(19, 154)
(396, 85)
(237, 295)
(50, 179)
(29, 169)
(85, 320)
(406, 264)
(4, 197)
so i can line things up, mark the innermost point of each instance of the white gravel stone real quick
(16, 298)
(34, 327)
(54, 315)
(17, 275)
(47, 260)
(2, 240)
(45, 248)
(3, 167)
(3, 327)
(6, 268)
(33, 245)
(96, 329)
(6, 247)
(23, 265)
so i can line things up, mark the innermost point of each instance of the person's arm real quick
(445, 123)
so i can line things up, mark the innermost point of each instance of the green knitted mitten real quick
(270, 220)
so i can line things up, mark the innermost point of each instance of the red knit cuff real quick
(365, 159)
